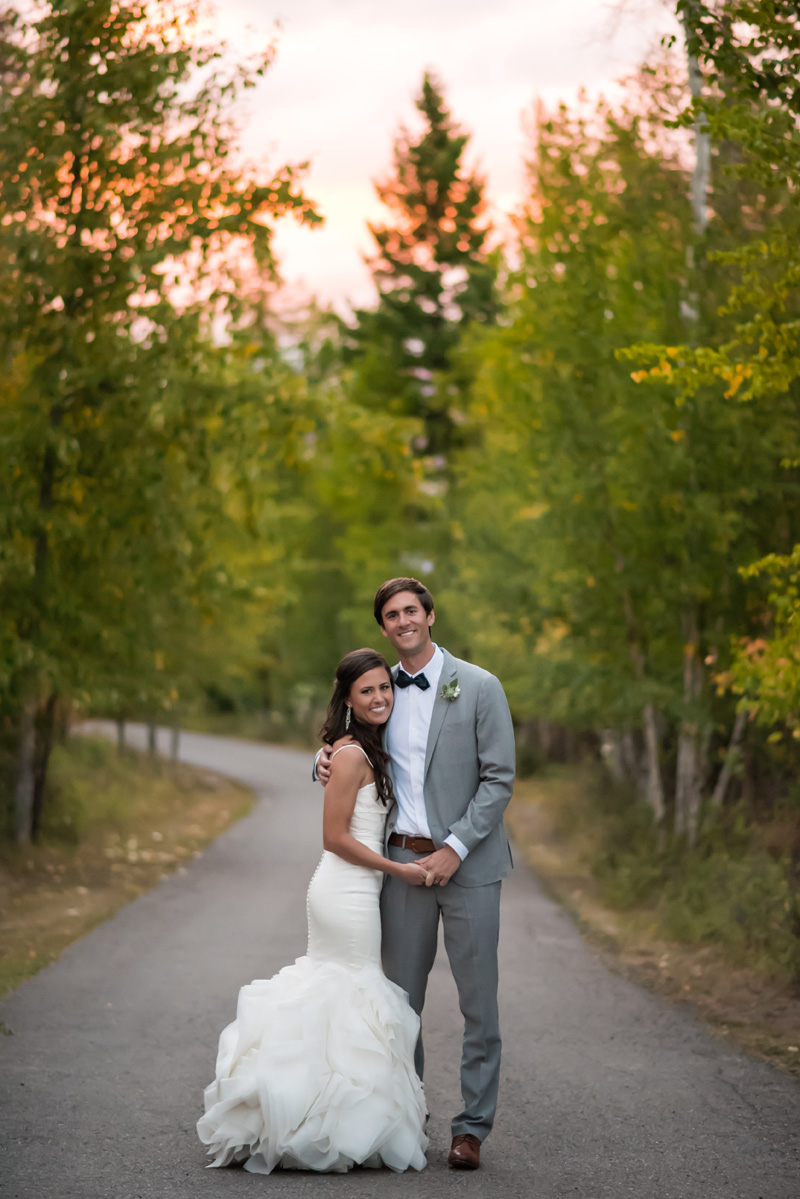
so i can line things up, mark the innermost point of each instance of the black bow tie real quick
(405, 680)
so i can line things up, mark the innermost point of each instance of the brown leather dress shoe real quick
(465, 1152)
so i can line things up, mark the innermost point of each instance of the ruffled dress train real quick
(317, 1070)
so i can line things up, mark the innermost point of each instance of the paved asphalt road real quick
(607, 1091)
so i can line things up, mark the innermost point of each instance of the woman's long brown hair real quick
(368, 736)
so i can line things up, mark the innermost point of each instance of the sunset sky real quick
(346, 74)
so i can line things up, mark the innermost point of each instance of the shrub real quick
(746, 903)
(90, 786)
(627, 862)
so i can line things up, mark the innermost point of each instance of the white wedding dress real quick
(317, 1070)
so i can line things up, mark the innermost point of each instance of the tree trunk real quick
(731, 758)
(175, 741)
(63, 717)
(611, 753)
(44, 745)
(691, 766)
(687, 800)
(619, 754)
(654, 790)
(691, 748)
(25, 784)
(26, 774)
(653, 787)
(120, 735)
(629, 756)
(151, 740)
(701, 173)
(634, 764)
(698, 192)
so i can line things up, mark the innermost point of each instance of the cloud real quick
(346, 74)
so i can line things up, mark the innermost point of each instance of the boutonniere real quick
(450, 691)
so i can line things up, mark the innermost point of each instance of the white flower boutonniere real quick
(451, 691)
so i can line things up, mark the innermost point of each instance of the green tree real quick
(125, 229)
(749, 57)
(593, 518)
(559, 486)
(345, 530)
(433, 270)
(766, 669)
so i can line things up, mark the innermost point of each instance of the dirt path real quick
(607, 1090)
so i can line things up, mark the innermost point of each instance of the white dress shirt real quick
(406, 743)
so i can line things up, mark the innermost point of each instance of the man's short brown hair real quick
(393, 587)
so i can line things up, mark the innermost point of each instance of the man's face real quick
(406, 623)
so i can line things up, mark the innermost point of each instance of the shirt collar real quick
(433, 669)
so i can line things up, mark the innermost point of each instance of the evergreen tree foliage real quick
(432, 268)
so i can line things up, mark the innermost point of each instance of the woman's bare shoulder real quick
(348, 767)
(348, 740)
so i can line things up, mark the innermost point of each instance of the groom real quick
(451, 745)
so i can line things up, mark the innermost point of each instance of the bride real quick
(317, 1070)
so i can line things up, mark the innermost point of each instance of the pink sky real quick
(346, 74)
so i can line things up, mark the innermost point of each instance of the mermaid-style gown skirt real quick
(317, 1070)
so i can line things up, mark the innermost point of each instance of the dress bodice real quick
(342, 901)
(369, 817)
(369, 814)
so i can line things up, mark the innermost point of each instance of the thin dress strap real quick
(351, 745)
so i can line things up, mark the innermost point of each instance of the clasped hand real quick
(413, 874)
(436, 869)
(440, 866)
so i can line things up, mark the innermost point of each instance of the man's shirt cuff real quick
(457, 845)
(314, 774)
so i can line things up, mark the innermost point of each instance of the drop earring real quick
(347, 718)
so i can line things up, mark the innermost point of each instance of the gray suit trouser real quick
(471, 918)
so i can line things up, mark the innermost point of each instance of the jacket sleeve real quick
(496, 761)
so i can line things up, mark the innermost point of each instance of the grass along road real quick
(757, 1008)
(116, 825)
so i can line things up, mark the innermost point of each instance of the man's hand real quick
(324, 765)
(413, 874)
(441, 866)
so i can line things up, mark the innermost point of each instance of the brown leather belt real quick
(417, 844)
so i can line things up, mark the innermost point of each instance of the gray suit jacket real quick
(469, 771)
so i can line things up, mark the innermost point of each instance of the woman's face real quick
(371, 697)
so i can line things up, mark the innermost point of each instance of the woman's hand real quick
(414, 875)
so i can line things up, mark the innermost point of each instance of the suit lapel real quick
(440, 706)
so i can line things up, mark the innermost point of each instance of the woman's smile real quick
(371, 697)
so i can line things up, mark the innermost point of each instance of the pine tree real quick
(432, 268)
